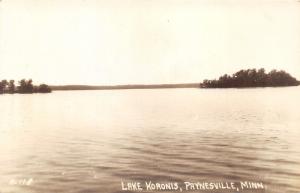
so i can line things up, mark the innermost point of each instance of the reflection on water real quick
(91, 141)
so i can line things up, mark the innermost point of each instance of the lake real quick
(92, 141)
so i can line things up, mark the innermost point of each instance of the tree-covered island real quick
(252, 78)
(23, 87)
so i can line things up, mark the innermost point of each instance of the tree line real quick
(252, 78)
(24, 87)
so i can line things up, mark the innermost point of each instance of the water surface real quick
(91, 141)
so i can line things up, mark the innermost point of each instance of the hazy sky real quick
(145, 41)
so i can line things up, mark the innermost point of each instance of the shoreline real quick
(123, 87)
(152, 86)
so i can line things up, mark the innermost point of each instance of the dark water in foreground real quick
(91, 141)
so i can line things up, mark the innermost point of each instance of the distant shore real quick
(248, 78)
(142, 86)
(119, 87)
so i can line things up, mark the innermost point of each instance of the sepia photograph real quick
(149, 96)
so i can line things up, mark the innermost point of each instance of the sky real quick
(100, 42)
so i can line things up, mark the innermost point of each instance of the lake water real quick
(91, 141)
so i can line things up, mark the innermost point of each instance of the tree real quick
(43, 88)
(11, 86)
(3, 85)
(25, 86)
(29, 86)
